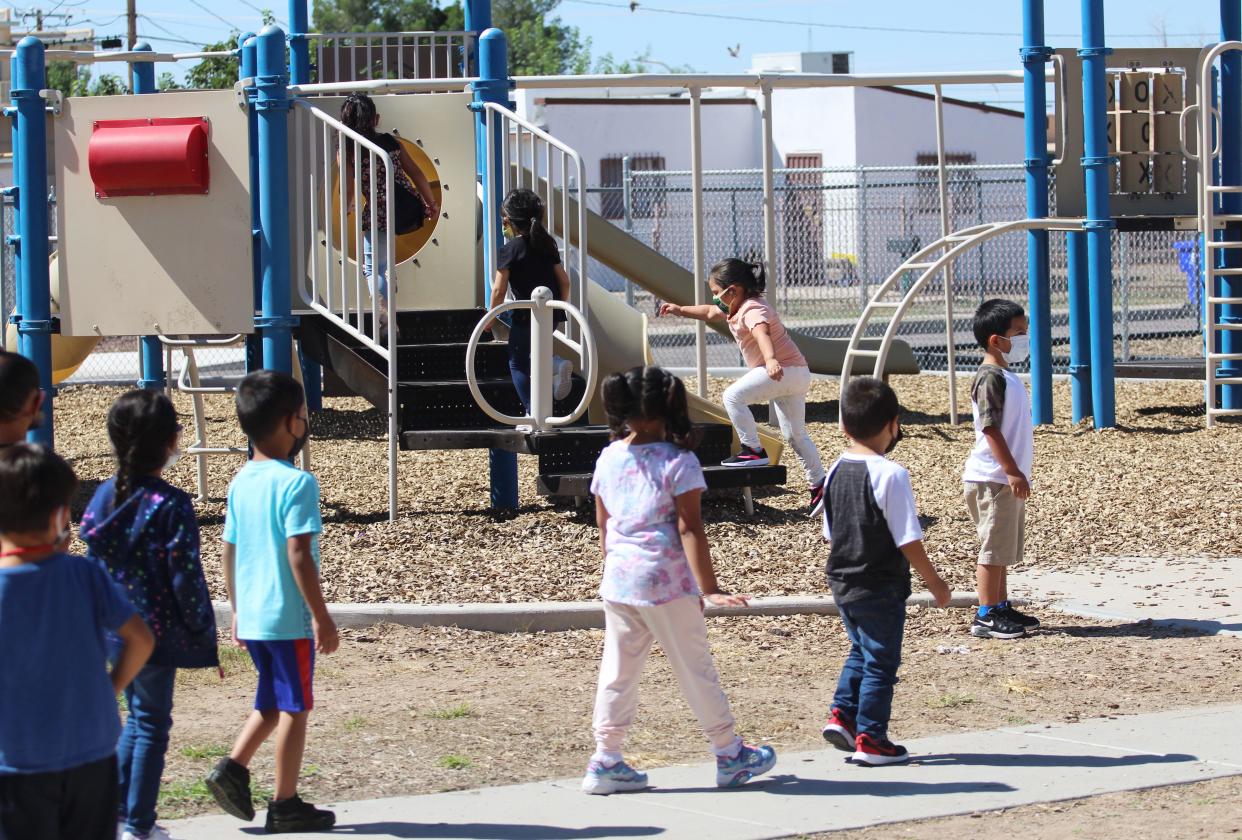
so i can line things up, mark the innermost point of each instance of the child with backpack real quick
(413, 201)
(143, 531)
(528, 260)
(59, 727)
(657, 576)
(778, 370)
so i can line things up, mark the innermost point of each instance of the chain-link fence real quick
(841, 232)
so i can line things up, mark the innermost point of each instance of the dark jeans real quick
(144, 740)
(74, 804)
(519, 357)
(865, 689)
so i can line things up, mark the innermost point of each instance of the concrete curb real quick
(553, 616)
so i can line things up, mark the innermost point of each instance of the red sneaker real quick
(839, 731)
(871, 752)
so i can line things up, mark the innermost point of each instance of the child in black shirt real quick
(870, 521)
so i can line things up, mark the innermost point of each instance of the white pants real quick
(788, 396)
(679, 628)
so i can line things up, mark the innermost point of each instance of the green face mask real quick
(720, 304)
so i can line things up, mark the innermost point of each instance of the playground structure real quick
(201, 216)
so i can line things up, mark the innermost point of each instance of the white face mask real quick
(173, 458)
(1019, 349)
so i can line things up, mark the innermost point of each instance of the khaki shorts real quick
(1000, 520)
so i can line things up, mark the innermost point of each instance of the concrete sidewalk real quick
(817, 791)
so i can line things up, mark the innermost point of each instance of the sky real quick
(946, 35)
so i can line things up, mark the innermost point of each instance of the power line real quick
(643, 7)
(208, 10)
(262, 11)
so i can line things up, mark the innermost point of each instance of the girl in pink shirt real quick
(778, 370)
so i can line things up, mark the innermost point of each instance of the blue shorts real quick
(286, 674)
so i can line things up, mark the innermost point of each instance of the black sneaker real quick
(292, 815)
(229, 783)
(817, 498)
(996, 625)
(747, 457)
(1028, 622)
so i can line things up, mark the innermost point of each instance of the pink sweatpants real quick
(679, 628)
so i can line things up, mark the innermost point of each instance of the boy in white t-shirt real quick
(996, 478)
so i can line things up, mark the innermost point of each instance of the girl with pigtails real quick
(657, 576)
(145, 534)
(778, 370)
(413, 201)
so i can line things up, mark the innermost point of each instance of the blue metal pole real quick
(153, 376)
(247, 69)
(34, 294)
(493, 86)
(1079, 325)
(272, 105)
(1099, 224)
(1035, 55)
(1230, 286)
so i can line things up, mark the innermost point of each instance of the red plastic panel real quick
(162, 156)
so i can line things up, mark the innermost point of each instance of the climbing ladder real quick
(893, 298)
(1216, 320)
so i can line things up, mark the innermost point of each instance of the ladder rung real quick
(907, 266)
(1226, 217)
(1224, 188)
(1227, 243)
(871, 354)
(1227, 380)
(1224, 412)
(1223, 300)
(1224, 357)
(1225, 272)
(1220, 327)
(887, 304)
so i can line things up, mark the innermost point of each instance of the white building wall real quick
(815, 121)
(893, 128)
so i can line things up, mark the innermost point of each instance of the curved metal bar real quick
(472, 381)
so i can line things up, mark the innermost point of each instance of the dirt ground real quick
(1152, 487)
(404, 711)
(1209, 810)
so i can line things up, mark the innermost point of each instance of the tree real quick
(69, 78)
(386, 16)
(108, 85)
(167, 81)
(219, 73)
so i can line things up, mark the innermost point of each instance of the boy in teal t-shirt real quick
(271, 568)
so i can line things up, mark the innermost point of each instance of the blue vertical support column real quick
(153, 374)
(1035, 56)
(272, 106)
(493, 86)
(1230, 286)
(1079, 325)
(34, 294)
(1099, 225)
(299, 74)
(248, 69)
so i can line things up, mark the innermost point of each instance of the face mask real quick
(173, 458)
(299, 442)
(1019, 349)
(892, 444)
(507, 230)
(720, 304)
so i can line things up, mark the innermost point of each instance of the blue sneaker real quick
(741, 768)
(617, 778)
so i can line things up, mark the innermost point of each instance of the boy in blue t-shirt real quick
(58, 729)
(271, 569)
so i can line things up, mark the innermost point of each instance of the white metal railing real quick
(530, 157)
(367, 56)
(331, 283)
(541, 306)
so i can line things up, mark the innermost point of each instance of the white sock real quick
(730, 751)
(606, 758)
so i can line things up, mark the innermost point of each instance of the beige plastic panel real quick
(436, 269)
(1167, 92)
(138, 265)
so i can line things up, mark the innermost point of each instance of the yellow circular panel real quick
(68, 352)
(408, 244)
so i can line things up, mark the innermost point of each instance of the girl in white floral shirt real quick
(657, 566)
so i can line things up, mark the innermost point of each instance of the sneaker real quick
(817, 498)
(604, 779)
(996, 625)
(747, 457)
(563, 381)
(292, 815)
(1027, 622)
(229, 783)
(741, 768)
(157, 832)
(873, 752)
(839, 731)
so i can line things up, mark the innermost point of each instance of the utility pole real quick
(131, 34)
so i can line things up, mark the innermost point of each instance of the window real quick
(644, 195)
(841, 63)
(962, 183)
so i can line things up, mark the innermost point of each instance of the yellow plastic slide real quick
(68, 352)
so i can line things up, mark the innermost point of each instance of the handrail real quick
(1059, 92)
(512, 129)
(774, 80)
(541, 305)
(1181, 132)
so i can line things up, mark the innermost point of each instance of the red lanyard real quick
(29, 549)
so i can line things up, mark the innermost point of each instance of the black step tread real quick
(716, 477)
(500, 437)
